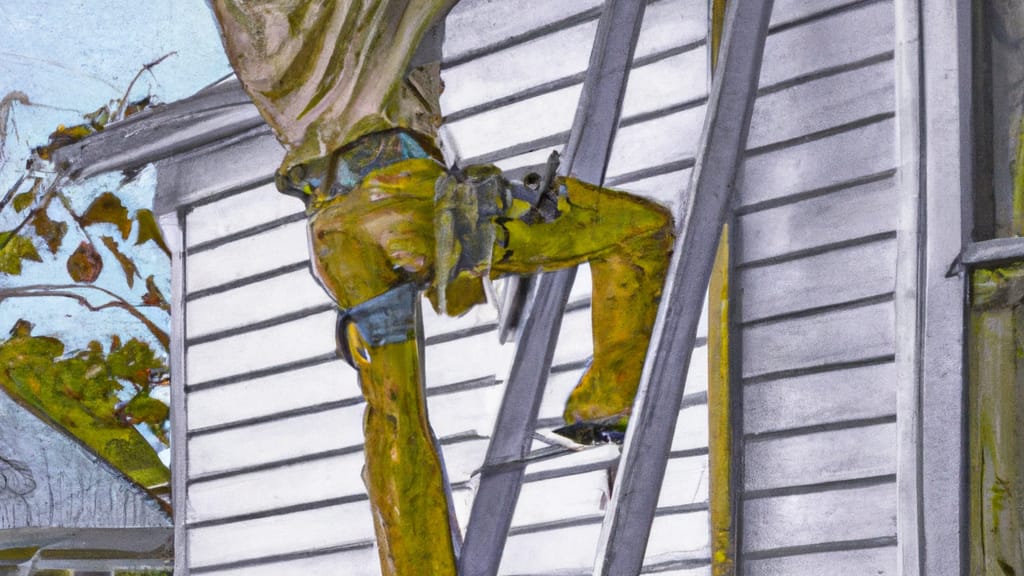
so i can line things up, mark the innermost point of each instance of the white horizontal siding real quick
(819, 164)
(473, 25)
(822, 104)
(862, 393)
(656, 142)
(246, 305)
(851, 213)
(356, 561)
(274, 441)
(819, 457)
(269, 395)
(835, 40)
(301, 339)
(878, 561)
(500, 74)
(789, 11)
(313, 481)
(814, 269)
(821, 280)
(836, 516)
(468, 358)
(305, 530)
(828, 338)
(239, 212)
(248, 256)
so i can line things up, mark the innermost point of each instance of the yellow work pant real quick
(381, 235)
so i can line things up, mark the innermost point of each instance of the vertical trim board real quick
(172, 226)
(947, 173)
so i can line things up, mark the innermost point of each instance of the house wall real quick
(273, 442)
(814, 267)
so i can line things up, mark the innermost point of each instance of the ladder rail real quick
(585, 157)
(630, 513)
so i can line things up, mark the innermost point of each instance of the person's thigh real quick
(378, 236)
(592, 223)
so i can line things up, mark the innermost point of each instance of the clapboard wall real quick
(814, 265)
(273, 441)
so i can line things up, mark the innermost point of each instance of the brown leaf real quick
(108, 209)
(130, 270)
(149, 230)
(51, 231)
(137, 106)
(85, 264)
(154, 297)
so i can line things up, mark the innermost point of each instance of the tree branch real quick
(145, 68)
(64, 291)
(12, 191)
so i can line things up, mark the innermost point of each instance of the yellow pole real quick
(720, 418)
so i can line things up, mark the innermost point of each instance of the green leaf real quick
(143, 409)
(108, 209)
(149, 230)
(63, 136)
(51, 231)
(135, 361)
(85, 264)
(153, 296)
(78, 393)
(23, 200)
(15, 249)
(130, 270)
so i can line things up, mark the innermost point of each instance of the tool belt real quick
(345, 169)
(466, 204)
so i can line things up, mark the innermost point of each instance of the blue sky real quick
(70, 57)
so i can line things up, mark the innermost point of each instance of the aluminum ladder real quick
(645, 453)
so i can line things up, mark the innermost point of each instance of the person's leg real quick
(371, 249)
(627, 241)
(404, 475)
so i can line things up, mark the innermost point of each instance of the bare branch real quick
(74, 215)
(65, 291)
(6, 103)
(12, 190)
(145, 68)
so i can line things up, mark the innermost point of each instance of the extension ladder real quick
(648, 439)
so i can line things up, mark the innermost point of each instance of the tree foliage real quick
(105, 394)
(80, 391)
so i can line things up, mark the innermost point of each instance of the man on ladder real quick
(387, 220)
